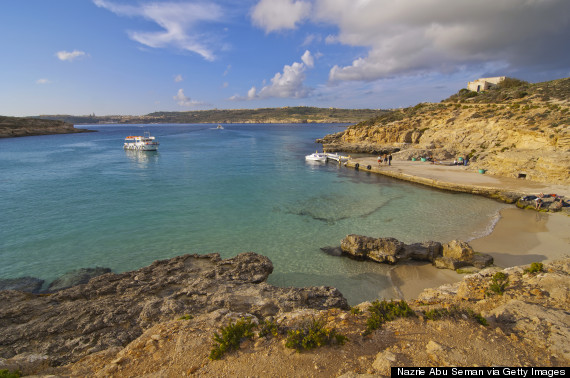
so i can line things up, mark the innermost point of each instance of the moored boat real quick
(317, 156)
(141, 143)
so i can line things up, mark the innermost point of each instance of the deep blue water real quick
(80, 200)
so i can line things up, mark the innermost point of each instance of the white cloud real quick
(288, 84)
(407, 37)
(251, 93)
(179, 21)
(70, 56)
(308, 59)
(178, 78)
(182, 100)
(43, 81)
(273, 15)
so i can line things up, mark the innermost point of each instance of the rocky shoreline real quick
(112, 310)
(159, 320)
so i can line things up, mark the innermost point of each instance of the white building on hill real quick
(483, 84)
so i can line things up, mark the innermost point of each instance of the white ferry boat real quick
(141, 143)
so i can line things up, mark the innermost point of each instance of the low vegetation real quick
(382, 312)
(231, 337)
(9, 374)
(312, 335)
(499, 283)
(454, 313)
(534, 268)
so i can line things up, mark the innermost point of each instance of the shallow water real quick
(80, 200)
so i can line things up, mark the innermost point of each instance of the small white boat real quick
(317, 156)
(141, 143)
(220, 127)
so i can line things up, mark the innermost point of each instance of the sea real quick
(81, 201)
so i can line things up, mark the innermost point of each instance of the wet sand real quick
(520, 237)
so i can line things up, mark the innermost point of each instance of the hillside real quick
(515, 130)
(17, 127)
(298, 114)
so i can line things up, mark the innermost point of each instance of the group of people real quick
(461, 161)
(558, 201)
(385, 159)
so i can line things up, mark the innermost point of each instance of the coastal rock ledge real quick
(112, 310)
(453, 255)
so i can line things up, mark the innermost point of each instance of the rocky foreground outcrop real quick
(526, 323)
(18, 127)
(452, 255)
(112, 310)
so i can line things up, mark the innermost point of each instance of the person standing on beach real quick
(390, 159)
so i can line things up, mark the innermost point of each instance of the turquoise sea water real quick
(80, 200)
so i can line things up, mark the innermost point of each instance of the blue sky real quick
(136, 57)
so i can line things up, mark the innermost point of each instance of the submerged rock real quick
(28, 284)
(76, 277)
(113, 309)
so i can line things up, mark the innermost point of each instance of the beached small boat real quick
(317, 156)
(141, 143)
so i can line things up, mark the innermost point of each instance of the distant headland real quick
(19, 127)
(287, 114)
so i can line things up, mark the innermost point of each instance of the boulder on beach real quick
(452, 255)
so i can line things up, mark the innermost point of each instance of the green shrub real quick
(269, 328)
(313, 335)
(382, 312)
(355, 311)
(535, 268)
(186, 317)
(499, 283)
(231, 337)
(9, 374)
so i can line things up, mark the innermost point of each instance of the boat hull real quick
(140, 147)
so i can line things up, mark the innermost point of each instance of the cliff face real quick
(17, 127)
(528, 137)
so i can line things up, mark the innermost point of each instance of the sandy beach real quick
(520, 236)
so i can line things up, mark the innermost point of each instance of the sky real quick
(131, 57)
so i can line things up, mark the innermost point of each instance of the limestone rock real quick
(377, 249)
(113, 309)
(457, 249)
(546, 326)
(384, 361)
(453, 255)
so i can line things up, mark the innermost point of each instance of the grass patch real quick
(313, 335)
(186, 317)
(382, 312)
(231, 337)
